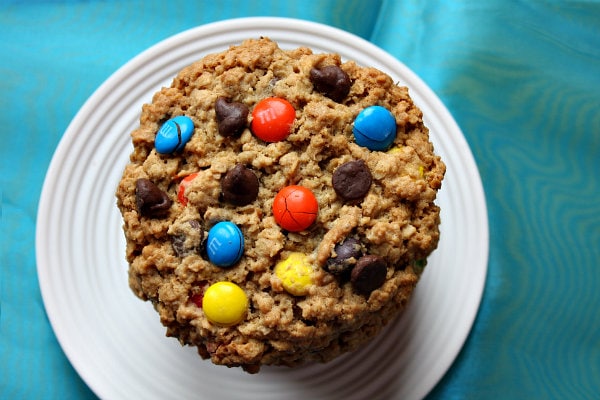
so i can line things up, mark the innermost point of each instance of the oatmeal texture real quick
(394, 223)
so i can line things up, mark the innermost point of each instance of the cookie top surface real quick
(304, 182)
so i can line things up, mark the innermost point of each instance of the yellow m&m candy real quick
(295, 273)
(225, 303)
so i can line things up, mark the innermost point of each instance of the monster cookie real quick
(278, 205)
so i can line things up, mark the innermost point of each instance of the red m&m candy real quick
(272, 119)
(295, 208)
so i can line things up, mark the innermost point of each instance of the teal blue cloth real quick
(522, 80)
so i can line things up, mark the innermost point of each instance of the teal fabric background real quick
(522, 80)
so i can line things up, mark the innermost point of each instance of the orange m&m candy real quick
(182, 186)
(272, 119)
(295, 208)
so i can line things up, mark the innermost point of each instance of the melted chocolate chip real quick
(188, 241)
(368, 274)
(332, 81)
(231, 116)
(150, 200)
(178, 243)
(347, 254)
(352, 180)
(239, 186)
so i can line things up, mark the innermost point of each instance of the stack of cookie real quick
(278, 205)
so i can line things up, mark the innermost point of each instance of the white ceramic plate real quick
(116, 342)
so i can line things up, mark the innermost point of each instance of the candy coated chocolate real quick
(272, 119)
(295, 273)
(197, 295)
(225, 244)
(332, 81)
(225, 303)
(295, 208)
(352, 180)
(374, 128)
(150, 200)
(368, 274)
(182, 187)
(174, 134)
(239, 186)
(232, 117)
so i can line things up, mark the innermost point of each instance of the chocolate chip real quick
(368, 274)
(346, 255)
(188, 240)
(352, 180)
(179, 247)
(195, 224)
(150, 200)
(332, 81)
(231, 116)
(239, 186)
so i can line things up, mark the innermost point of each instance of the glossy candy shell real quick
(374, 128)
(295, 208)
(225, 303)
(174, 134)
(225, 244)
(272, 119)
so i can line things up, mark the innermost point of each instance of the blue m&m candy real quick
(225, 244)
(174, 134)
(374, 128)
